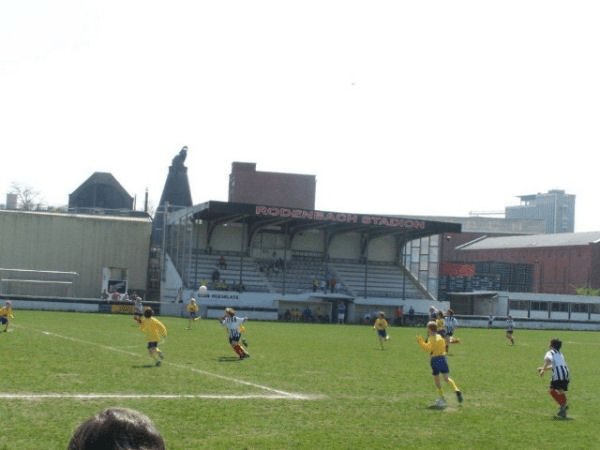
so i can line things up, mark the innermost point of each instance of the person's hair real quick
(148, 313)
(556, 344)
(230, 311)
(117, 429)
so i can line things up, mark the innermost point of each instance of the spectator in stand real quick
(115, 297)
(216, 275)
(315, 284)
(341, 312)
(411, 315)
(332, 284)
(399, 315)
(222, 263)
(117, 428)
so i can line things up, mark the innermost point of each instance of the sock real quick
(453, 384)
(563, 399)
(239, 350)
(557, 396)
(440, 392)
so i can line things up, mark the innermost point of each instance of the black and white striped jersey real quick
(560, 370)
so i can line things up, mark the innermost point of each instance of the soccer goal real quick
(36, 282)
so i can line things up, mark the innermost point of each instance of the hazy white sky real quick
(397, 107)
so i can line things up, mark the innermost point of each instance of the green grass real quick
(342, 390)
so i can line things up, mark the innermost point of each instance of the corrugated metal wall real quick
(78, 243)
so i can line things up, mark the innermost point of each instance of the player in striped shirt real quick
(436, 346)
(510, 325)
(559, 384)
(451, 326)
(233, 324)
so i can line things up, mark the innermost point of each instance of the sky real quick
(435, 108)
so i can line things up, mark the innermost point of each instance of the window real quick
(560, 307)
(539, 306)
(579, 308)
(521, 305)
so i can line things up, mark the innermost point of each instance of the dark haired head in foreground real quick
(117, 429)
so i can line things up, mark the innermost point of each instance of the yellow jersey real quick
(153, 329)
(440, 324)
(381, 324)
(435, 344)
(6, 311)
(192, 307)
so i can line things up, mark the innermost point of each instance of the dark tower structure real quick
(175, 194)
(100, 191)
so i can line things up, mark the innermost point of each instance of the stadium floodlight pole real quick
(242, 248)
(164, 242)
(366, 257)
(403, 267)
(285, 244)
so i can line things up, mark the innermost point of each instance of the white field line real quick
(275, 393)
(44, 396)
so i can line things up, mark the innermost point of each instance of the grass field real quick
(305, 386)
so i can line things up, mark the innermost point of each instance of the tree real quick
(28, 199)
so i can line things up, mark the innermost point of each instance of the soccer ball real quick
(203, 291)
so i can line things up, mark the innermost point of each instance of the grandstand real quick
(274, 256)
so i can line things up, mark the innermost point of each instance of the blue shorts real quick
(382, 333)
(3, 320)
(193, 315)
(152, 345)
(439, 364)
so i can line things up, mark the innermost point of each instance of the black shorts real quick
(562, 385)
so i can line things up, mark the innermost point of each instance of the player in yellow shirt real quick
(440, 324)
(5, 314)
(154, 331)
(192, 309)
(381, 326)
(436, 346)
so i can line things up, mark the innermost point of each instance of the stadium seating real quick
(264, 275)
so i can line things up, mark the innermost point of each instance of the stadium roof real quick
(295, 220)
(534, 241)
